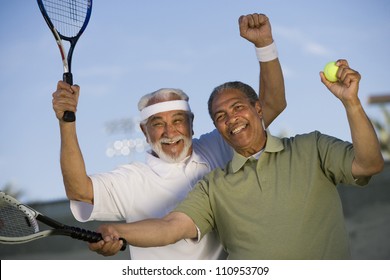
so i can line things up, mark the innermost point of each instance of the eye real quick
(219, 117)
(178, 121)
(238, 107)
(157, 124)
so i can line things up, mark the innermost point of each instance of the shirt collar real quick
(163, 168)
(272, 145)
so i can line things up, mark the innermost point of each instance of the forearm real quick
(155, 232)
(78, 185)
(368, 157)
(272, 90)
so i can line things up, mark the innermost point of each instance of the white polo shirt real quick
(138, 191)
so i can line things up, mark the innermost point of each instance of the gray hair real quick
(163, 94)
(244, 88)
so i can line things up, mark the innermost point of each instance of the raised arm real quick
(78, 185)
(256, 28)
(147, 233)
(368, 157)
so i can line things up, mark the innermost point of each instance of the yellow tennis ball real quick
(330, 71)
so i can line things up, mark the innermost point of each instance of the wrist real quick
(267, 53)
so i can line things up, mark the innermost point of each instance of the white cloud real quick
(316, 49)
(302, 40)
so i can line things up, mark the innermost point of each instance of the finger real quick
(108, 238)
(342, 62)
(75, 88)
(240, 19)
(261, 19)
(325, 81)
(349, 76)
(243, 23)
(110, 248)
(256, 20)
(96, 246)
(63, 85)
(63, 101)
(251, 21)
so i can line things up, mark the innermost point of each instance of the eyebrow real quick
(231, 106)
(152, 118)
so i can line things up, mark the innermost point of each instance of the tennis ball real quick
(330, 71)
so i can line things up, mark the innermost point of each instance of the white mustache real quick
(171, 140)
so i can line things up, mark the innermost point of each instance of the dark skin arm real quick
(147, 233)
(256, 28)
(368, 157)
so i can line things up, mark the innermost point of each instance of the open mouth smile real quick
(238, 129)
(171, 142)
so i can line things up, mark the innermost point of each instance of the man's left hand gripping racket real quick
(67, 20)
(19, 224)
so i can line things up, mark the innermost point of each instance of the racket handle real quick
(91, 236)
(68, 115)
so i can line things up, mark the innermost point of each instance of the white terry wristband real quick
(267, 53)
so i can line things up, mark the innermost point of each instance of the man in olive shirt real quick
(277, 198)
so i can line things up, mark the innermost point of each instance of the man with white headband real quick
(138, 191)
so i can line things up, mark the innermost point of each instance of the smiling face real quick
(170, 135)
(238, 121)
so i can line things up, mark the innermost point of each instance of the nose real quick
(169, 130)
(230, 118)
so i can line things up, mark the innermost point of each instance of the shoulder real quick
(312, 138)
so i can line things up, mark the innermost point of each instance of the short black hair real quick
(244, 88)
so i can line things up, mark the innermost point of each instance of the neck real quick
(250, 151)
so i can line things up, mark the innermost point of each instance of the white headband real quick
(164, 107)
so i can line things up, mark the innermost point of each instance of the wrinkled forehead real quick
(227, 96)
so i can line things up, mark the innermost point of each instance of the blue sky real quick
(135, 47)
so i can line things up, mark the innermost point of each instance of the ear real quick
(143, 128)
(192, 117)
(259, 109)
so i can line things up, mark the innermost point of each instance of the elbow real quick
(365, 169)
(379, 166)
(376, 167)
(79, 191)
(73, 196)
(283, 105)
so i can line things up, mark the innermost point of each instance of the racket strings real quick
(14, 222)
(67, 16)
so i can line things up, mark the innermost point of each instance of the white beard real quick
(157, 148)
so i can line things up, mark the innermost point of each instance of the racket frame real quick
(66, 58)
(58, 228)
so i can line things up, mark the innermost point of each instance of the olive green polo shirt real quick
(283, 206)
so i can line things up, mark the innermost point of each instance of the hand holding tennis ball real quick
(330, 71)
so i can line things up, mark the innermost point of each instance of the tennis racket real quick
(19, 224)
(67, 20)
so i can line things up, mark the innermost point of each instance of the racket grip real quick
(85, 235)
(91, 236)
(68, 115)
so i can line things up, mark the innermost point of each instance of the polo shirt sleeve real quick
(197, 207)
(336, 160)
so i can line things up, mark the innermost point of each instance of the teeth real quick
(169, 142)
(238, 129)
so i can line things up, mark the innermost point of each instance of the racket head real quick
(68, 18)
(19, 224)
(16, 219)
